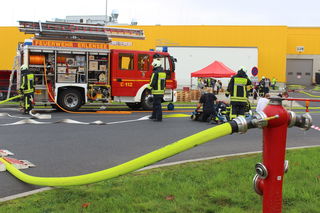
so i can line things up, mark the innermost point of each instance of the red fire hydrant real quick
(269, 178)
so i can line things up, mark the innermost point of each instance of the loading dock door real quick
(299, 71)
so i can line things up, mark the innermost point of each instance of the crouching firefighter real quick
(237, 89)
(27, 89)
(207, 101)
(157, 86)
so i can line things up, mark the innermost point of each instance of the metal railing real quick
(306, 100)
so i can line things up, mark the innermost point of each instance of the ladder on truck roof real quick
(77, 31)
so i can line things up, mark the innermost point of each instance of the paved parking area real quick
(70, 149)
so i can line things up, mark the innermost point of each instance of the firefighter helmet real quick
(156, 62)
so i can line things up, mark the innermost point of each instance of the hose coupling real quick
(242, 124)
(259, 119)
(286, 166)
(258, 184)
(261, 170)
(303, 121)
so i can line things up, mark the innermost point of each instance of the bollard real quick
(307, 106)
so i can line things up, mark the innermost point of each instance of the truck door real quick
(130, 70)
(169, 66)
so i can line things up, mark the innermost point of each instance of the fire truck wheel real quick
(134, 106)
(147, 100)
(70, 99)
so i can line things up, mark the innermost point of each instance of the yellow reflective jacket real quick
(237, 87)
(158, 81)
(27, 83)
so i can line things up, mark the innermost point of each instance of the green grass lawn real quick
(220, 185)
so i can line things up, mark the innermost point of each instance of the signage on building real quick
(89, 45)
(300, 49)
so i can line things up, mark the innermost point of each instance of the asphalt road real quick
(69, 149)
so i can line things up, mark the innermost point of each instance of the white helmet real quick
(156, 62)
(24, 67)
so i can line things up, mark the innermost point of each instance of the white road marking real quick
(70, 121)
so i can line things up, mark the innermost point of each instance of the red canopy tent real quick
(215, 70)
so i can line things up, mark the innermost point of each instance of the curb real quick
(24, 194)
(216, 157)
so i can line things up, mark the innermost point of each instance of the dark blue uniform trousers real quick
(157, 109)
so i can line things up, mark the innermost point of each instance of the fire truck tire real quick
(147, 100)
(134, 106)
(70, 99)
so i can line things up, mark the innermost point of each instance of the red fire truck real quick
(81, 68)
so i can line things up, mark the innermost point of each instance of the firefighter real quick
(237, 89)
(207, 101)
(157, 85)
(27, 88)
(273, 83)
(264, 85)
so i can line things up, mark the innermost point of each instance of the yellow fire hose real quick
(9, 99)
(135, 164)
(314, 96)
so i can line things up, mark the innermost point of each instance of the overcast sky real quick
(170, 12)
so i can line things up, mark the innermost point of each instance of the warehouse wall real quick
(271, 42)
(9, 38)
(309, 39)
